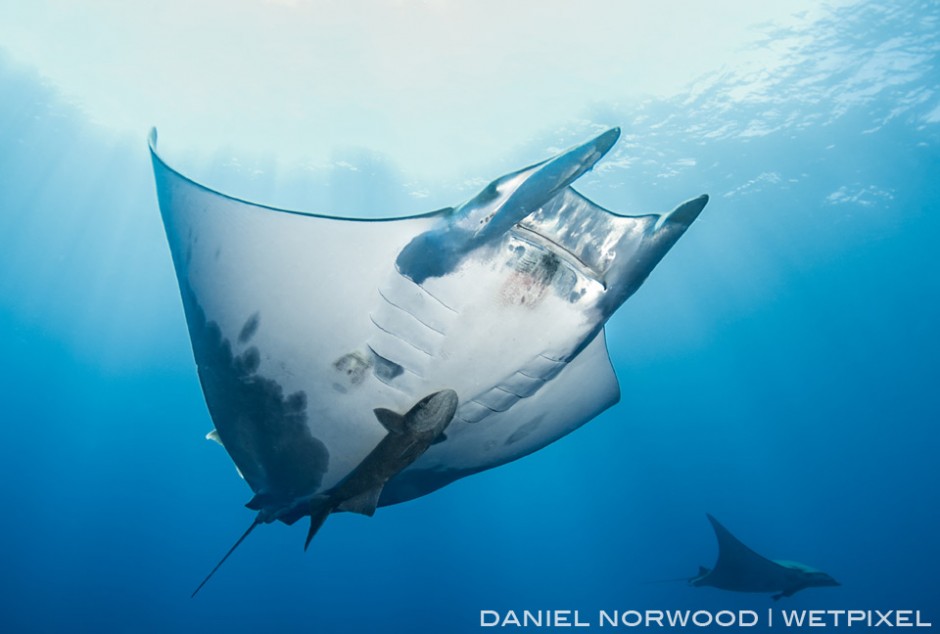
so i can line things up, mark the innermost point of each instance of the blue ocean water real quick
(778, 370)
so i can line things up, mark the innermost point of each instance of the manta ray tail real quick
(230, 551)
(669, 580)
(320, 508)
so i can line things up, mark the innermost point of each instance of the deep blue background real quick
(779, 370)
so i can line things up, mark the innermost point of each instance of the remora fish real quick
(408, 437)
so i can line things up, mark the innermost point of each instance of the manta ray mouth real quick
(584, 235)
(564, 252)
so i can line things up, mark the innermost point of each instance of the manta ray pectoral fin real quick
(214, 437)
(364, 503)
(392, 421)
(734, 556)
(258, 501)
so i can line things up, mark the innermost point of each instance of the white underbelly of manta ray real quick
(500, 302)
(515, 333)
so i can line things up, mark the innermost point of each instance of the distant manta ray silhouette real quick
(740, 569)
(303, 325)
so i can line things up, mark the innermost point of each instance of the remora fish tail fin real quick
(365, 503)
(320, 508)
(230, 551)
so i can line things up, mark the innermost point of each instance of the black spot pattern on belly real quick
(264, 431)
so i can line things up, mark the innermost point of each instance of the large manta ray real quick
(302, 324)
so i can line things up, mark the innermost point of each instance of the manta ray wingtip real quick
(606, 140)
(713, 521)
(686, 213)
(595, 149)
(152, 138)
